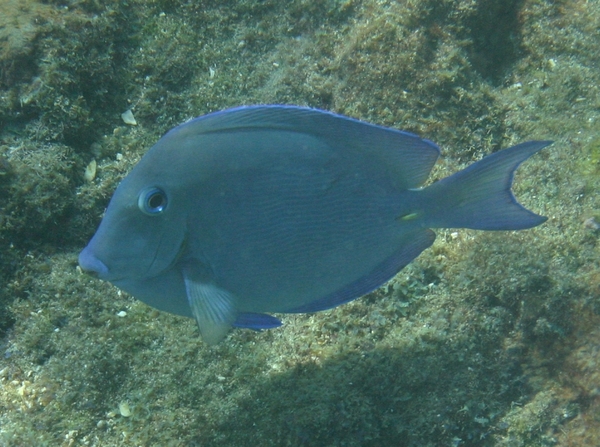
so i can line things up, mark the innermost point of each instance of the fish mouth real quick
(91, 265)
(95, 267)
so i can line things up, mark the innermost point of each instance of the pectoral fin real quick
(212, 307)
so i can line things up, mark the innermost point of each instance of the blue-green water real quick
(486, 339)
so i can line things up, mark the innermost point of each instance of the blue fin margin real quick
(256, 321)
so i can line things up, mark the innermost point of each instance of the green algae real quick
(486, 339)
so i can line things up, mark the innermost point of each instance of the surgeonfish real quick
(261, 209)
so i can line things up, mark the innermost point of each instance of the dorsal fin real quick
(407, 158)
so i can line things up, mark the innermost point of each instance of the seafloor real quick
(487, 339)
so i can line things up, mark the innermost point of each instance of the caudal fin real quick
(480, 195)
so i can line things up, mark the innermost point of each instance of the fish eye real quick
(152, 201)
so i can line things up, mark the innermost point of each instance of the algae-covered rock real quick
(486, 339)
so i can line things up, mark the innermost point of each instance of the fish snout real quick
(91, 265)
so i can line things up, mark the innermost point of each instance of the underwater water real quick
(486, 339)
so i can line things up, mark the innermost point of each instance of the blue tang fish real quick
(273, 208)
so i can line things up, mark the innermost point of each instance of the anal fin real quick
(256, 321)
(409, 248)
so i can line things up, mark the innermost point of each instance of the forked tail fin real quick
(480, 195)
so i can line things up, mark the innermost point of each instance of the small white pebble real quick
(90, 171)
(128, 118)
(124, 409)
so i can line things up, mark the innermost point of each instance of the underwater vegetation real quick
(486, 339)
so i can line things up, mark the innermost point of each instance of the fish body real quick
(262, 209)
